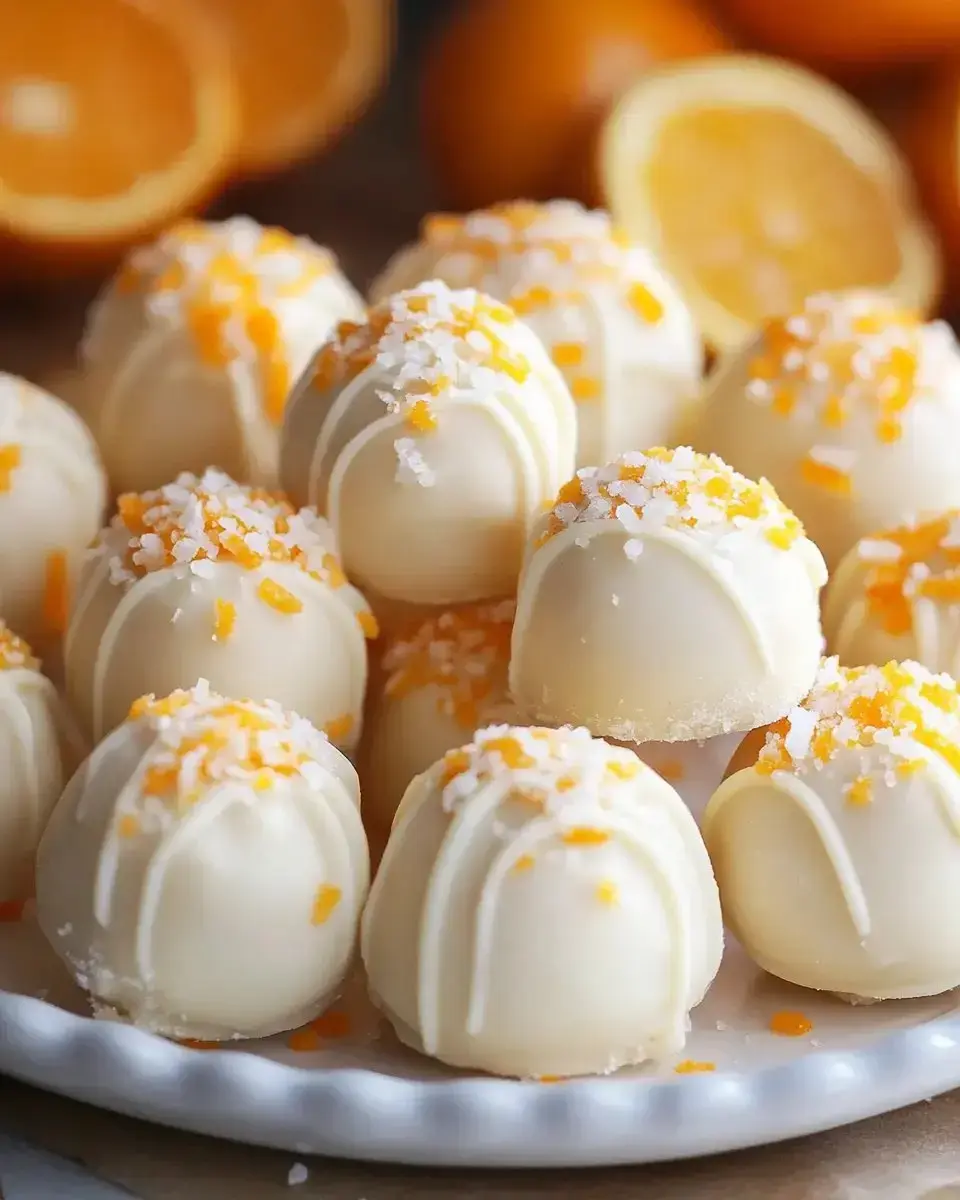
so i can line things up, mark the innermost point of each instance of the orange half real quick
(305, 68)
(116, 117)
(757, 184)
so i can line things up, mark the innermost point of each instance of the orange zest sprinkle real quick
(860, 792)
(584, 388)
(788, 1023)
(910, 562)
(325, 902)
(585, 835)
(645, 304)
(10, 456)
(369, 625)
(523, 863)
(823, 475)
(224, 619)
(420, 417)
(340, 728)
(128, 826)
(568, 354)
(551, 1079)
(278, 597)
(607, 892)
(56, 593)
(690, 1066)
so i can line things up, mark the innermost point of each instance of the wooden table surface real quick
(364, 200)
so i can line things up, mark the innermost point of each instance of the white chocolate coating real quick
(430, 437)
(837, 852)
(614, 324)
(896, 595)
(666, 598)
(204, 871)
(207, 579)
(441, 682)
(851, 408)
(545, 906)
(190, 353)
(39, 749)
(52, 496)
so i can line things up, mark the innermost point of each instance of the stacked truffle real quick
(476, 465)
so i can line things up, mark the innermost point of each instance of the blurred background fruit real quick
(849, 35)
(513, 91)
(115, 117)
(305, 70)
(757, 183)
(929, 131)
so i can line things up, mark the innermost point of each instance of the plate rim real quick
(476, 1122)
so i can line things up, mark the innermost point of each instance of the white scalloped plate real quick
(365, 1096)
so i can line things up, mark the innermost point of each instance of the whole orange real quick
(513, 91)
(849, 34)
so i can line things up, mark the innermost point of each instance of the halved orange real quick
(305, 68)
(757, 183)
(116, 117)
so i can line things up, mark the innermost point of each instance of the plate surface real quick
(362, 1095)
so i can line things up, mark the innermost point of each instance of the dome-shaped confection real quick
(208, 579)
(38, 748)
(545, 906)
(52, 496)
(430, 436)
(204, 871)
(896, 595)
(851, 408)
(191, 351)
(441, 682)
(614, 324)
(666, 598)
(836, 839)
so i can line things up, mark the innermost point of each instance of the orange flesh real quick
(59, 135)
(788, 214)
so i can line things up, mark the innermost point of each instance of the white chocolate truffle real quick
(208, 579)
(545, 906)
(39, 749)
(896, 595)
(190, 353)
(611, 320)
(442, 681)
(837, 847)
(666, 598)
(52, 496)
(430, 437)
(204, 871)
(851, 408)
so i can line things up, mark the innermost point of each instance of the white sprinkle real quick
(298, 1174)
(803, 723)
(876, 550)
(614, 599)
(841, 458)
(633, 548)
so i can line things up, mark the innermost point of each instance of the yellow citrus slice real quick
(116, 116)
(305, 68)
(757, 184)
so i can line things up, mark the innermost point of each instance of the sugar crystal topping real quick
(230, 285)
(462, 653)
(845, 356)
(909, 714)
(430, 343)
(553, 769)
(196, 523)
(549, 258)
(15, 653)
(204, 741)
(911, 563)
(679, 490)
